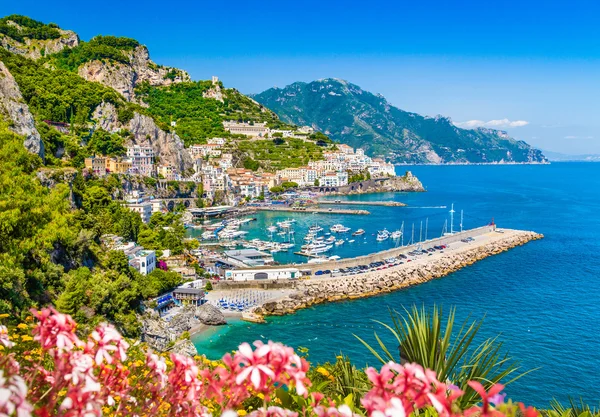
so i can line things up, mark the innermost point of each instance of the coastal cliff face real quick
(316, 291)
(16, 112)
(165, 336)
(123, 78)
(37, 48)
(168, 146)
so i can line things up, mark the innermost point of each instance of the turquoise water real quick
(542, 297)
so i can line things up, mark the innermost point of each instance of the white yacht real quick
(339, 228)
(383, 235)
(314, 248)
(396, 234)
(315, 229)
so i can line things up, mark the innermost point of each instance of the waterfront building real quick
(252, 129)
(334, 179)
(142, 159)
(248, 257)
(189, 296)
(144, 209)
(261, 274)
(96, 164)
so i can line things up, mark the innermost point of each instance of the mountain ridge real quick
(351, 115)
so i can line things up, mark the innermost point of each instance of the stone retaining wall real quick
(315, 291)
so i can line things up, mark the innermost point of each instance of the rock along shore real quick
(423, 269)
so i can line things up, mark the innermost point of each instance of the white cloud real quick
(578, 137)
(494, 124)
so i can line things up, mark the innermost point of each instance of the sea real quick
(542, 299)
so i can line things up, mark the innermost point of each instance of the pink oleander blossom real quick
(273, 412)
(13, 393)
(4, 340)
(399, 389)
(341, 411)
(55, 330)
(108, 342)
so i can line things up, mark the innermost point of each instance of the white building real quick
(248, 129)
(142, 159)
(260, 274)
(334, 179)
(144, 261)
(216, 141)
(143, 209)
(157, 206)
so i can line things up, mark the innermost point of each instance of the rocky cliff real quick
(167, 145)
(38, 48)
(123, 77)
(165, 336)
(16, 112)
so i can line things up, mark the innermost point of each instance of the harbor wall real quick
(321, 290)
(394, 252)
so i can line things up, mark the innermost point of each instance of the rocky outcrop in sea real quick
(166, 336)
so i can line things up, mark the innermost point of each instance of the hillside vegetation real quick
(27, 28)
(358, 118)
(197, 117)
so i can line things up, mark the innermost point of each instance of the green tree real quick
(289, 184)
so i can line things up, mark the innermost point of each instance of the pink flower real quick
(158, 367)
(55, 330)
(108, 342)
(82, 368)
(485, 409)
(13, 393)
(273, 412)
(254, 365)
(341, 411)
(4, 340)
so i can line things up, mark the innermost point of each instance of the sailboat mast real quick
(452, 219)
(421, 232)
(426, 224)
(402, 232)
(461, 220)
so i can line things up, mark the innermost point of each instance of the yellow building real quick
(96, 164)
(118, 166)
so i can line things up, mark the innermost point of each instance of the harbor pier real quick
(361, 203)
(311, 209)
(414, 269)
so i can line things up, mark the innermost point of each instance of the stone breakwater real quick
(316, 291)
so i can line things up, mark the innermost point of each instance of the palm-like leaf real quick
(451, 352)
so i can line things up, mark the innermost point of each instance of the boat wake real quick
(430, 207)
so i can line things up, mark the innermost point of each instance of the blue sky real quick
(529, 67)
